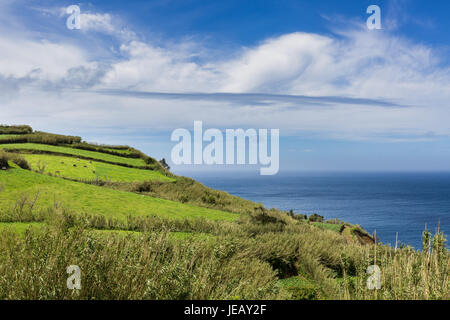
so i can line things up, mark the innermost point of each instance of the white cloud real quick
(105, 23)
(97, 22)
(152, 68)
(22, 57)
(276, 65)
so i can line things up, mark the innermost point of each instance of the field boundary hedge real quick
(31, 151)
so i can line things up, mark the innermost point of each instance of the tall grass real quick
(149, 266)
(243, 259)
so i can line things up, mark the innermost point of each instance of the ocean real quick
(389, 203)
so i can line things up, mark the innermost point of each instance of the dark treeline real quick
(42, 138)
(20, 129)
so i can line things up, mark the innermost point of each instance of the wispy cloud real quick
(253, 98)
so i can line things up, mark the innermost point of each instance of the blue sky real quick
(344, 97)
(248, 22)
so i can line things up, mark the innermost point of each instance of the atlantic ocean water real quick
(389, 203)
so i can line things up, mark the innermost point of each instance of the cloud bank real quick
(353, 84)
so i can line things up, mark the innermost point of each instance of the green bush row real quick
(20, 129)
(42, 138)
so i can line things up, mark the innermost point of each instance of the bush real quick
(43, 138)
(22, 129)
(21, 162)
(315, 218)
(4, 160)
(145, 186)
(184, 198)
(209, 199)
(300, 217)
(15, 158)
(307, 292)
(121, 151)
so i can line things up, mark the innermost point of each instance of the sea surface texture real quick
(389, 203)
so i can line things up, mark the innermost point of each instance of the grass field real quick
(328, 226)
(122, 151)
(7, 136)
(69, 167)
(76, 152)
(19, 227)
(104, 148)
(182, 236)
(300, 288)
(84, 198)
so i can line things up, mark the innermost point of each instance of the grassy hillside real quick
(84, 198)
(42, 148)
(8, 136)
(139, 232)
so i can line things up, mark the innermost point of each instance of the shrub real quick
(43, 138)
(315, 218)
(20, 161)
(300, 217)
(121, 151)
(145, 186)
(209, 199)
(21, 129)
(184, 198)
(15, 158)
(4, 160)
(164, 164)
(306, 292)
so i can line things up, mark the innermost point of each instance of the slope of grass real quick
(84, 198)
(328, 226)
(300, 288)
(7, 136)
(69, 167)
(182, 236)
(123, 151)
(75, 152)
(19, 227)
